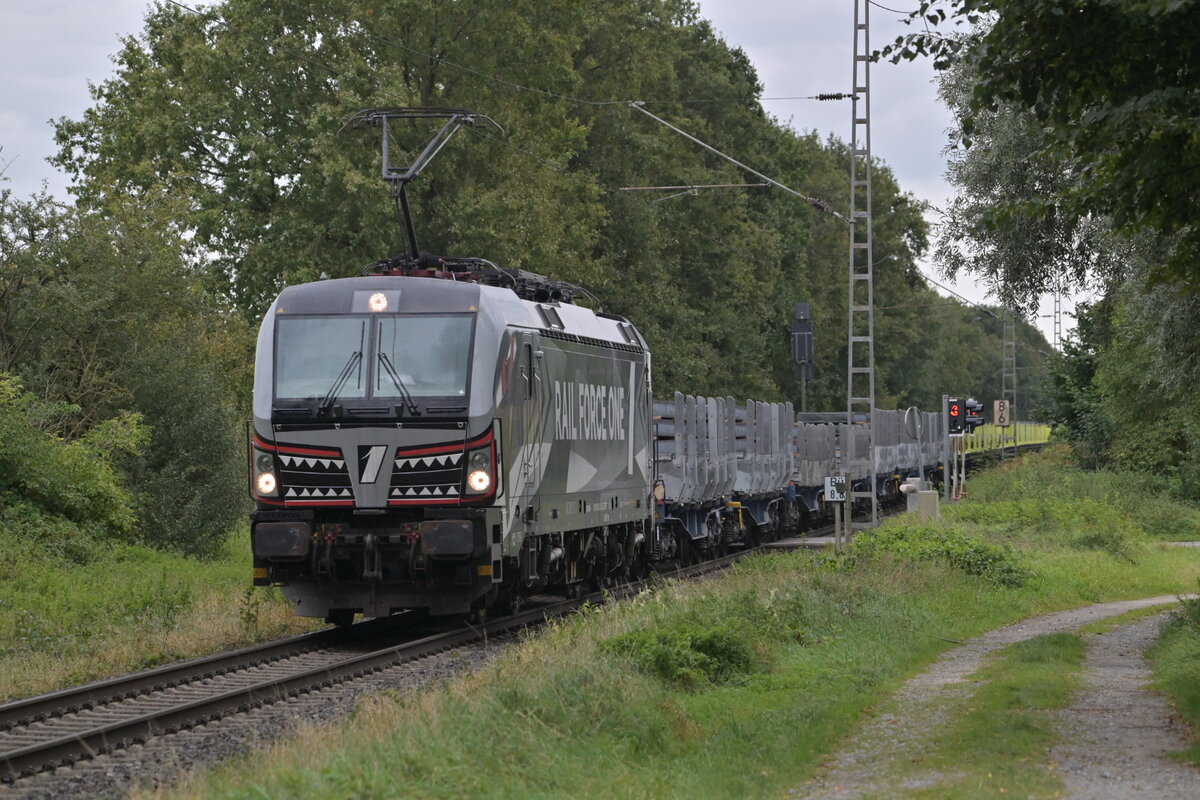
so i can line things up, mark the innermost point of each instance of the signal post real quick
(962, 417)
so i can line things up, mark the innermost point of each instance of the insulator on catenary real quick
(834, 96)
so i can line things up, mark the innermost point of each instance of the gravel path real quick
(1119, 729)
(870, 764)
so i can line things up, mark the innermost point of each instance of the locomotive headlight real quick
(480, 471)
(265, 482)
(479, 481)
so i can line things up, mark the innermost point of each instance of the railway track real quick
(60, 729)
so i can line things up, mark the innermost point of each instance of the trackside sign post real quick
(835, 488)
(835, 492)
(1001, 414)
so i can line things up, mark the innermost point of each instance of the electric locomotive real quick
(432, 443)
(441, 434)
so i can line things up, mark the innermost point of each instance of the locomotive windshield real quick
(431, 355)
(366, 357)
(312, 354)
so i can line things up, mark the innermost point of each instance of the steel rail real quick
(69, 701)
(68, 748)
(65, 750)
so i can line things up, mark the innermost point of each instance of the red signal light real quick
(954, 410)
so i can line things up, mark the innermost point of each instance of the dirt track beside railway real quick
(1120, 731)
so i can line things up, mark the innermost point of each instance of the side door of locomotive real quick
(527, 434)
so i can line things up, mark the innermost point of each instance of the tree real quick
(102, 320)
(239, 110)
(236, 113)
(1007, 222)
(1114, 86)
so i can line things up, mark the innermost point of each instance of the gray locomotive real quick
(436, 443)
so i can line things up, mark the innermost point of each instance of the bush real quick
(996, 563)
(69, 487)
(191, 481)
(689, 656)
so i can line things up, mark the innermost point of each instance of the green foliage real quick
(690, 656)
(58, 488)
(191, 481)
(1076, 158)
(1064, 505)
(76, 608)
(1187, 616)
(1060, 499)
(996, 563)
(1004, 223)
(143, 353)
(55, 600)
(1124, 383)
(222, 111)
(1176, 660)
(1120, 117)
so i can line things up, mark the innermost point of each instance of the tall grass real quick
(1176, 660)
(1045, 494)
(70, 614)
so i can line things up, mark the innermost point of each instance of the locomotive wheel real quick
(509, 603)
(684, 546)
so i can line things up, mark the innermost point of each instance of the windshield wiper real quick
(388, 367)
(332, 394)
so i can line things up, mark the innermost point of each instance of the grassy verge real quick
(94, 610)
(737, 687)
(1000, 733)
(998, 741)
(1176, 660)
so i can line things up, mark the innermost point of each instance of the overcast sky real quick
(51, 49)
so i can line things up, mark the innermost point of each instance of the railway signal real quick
(955, 416)
(974, 414)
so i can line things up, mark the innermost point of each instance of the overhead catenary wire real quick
(687, 190)
(984, 309)
(639, 105)
(893, 10)
(941, 304)
(696, 186)
(816, 203)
